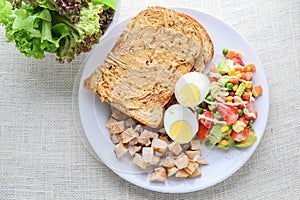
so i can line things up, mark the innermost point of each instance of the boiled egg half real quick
(191, 89)
(180, 123)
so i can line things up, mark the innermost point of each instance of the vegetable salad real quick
(228, 112)
(66, 28)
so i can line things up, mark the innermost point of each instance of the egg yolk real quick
(189, 95)
(181, 131)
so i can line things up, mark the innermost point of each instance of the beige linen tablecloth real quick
(42, 156)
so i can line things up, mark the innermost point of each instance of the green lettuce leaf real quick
(107, 3)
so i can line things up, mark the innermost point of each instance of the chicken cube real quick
(155, 160)
(118, 115)
(138, 129)
(172, 171)
(181, 174)
(147, 153)
(192, 166)
(159, 175)
(195, 144)
(192, 154)
(138, 160)
(175, 148)
(165, 138)
(115, 138)
(134, 149)
(144, 138)
(130, 122)
(120, 149)
(182, 162)
(117, 127)
(159, 145)
(199, 160)
(196, 173)
(169, 162)
(128, 135)
(110, 121)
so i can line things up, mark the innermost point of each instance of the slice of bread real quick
(138, 76)
(163, 17)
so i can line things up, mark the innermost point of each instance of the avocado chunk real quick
(246, 143)
(240, 90)
(223, 80)
(223, 67)
(216, 134)
(225, 143)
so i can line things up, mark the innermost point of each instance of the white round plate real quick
(222, 164)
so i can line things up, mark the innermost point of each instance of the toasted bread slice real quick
(138, 76)
(162, 17)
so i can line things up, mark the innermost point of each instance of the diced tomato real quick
(240, 136)
(228, 113)
(238, 61)
(234, 81)
(202, 132)
(208, 124)
(246, 96)
(248, 76)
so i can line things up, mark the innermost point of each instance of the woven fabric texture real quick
(42, 156)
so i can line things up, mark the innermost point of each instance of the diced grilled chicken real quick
(110, 121)
(115, 138)
(165, 138)
(196, 173)
(199, 160)
(120, 149)
(169, 162)
(192, 166)
(158, 154)
(144, 138)
(148, 154)
(138, 129)
(172, 171)
(185, 146)
(118, 115)
(128, 135)
(159, 145)
(155, 160)
(138, 160)
(195, 144)
(182, 162)
(133, 142)
(175, 148)
(192, 154)
(134, 149)
(117, 127)
(181, 174)
(152, 135)
(130, 122)
(159, 175)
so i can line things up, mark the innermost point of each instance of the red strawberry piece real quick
(240, 136)
(228, 113)
(238, 61)
(207, 123)
(251, 109)
(248, 76)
